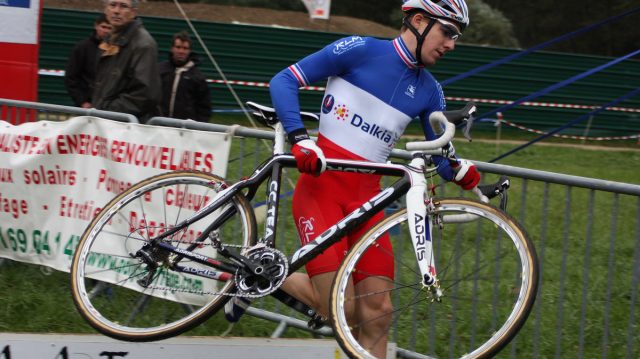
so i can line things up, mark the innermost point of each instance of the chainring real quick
(271, 272)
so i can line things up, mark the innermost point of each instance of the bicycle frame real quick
(412, 182)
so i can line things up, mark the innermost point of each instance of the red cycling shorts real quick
(320, 202)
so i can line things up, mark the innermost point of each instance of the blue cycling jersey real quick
(374, 90)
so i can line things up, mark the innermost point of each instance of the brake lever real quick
(465, 114)
(467, 129)
(500, 188)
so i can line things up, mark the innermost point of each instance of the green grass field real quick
(578, 257)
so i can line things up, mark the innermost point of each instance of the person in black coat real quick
(81, 68)
(185, 93)
(127, 78)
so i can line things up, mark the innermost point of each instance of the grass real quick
(586, 242)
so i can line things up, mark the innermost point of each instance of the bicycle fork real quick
(420, 228)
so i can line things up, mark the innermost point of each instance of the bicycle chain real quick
(235, 294)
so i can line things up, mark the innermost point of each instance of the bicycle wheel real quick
(487, 272)
(105, 274)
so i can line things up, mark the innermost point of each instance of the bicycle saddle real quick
(267, 115)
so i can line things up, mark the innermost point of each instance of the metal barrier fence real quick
(587, 236)
(17, 112)
(586, 232)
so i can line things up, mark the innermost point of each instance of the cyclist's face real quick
(440, 39)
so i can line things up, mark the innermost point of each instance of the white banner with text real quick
(56, 176)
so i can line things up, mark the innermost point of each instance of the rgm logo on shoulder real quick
(343, 114)
(348, 44)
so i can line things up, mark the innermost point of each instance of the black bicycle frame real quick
(272, 169)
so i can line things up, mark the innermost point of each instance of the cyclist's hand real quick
(467, 175)
(309, 157)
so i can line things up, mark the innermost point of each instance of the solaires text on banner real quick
(318, 9)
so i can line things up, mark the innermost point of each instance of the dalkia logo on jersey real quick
(342, 113)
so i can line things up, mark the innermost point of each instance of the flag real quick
(19, 47)
(318, 9)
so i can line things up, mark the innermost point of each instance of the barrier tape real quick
(47, 72)
(570, 123)
(599, 138)
(564, 83)
(543, 104)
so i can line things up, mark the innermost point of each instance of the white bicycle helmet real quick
(455, 10)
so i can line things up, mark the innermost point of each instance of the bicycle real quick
(180, 244)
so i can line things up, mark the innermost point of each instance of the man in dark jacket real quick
(185, 93)
(81, 68)
(127, 78)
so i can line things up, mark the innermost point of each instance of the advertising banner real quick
(56, 176)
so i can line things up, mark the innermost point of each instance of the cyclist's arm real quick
(438, 104)
(284, 86)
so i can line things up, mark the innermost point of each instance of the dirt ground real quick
(229, 14)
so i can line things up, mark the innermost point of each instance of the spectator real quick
(81, 68)
(185, 93)
(127, 78)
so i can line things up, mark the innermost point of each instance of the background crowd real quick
(116, 69)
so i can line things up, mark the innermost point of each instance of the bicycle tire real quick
(104, 272)
(489, 285)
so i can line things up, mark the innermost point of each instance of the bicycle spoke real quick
(144, 298)
(472, 306)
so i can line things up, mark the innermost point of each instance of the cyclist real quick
(374, 89)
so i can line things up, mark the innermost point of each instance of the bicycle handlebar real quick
(449, 120)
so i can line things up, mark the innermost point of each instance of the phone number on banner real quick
(37, 241)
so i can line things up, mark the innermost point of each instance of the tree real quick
(543, 20)
(488, 26)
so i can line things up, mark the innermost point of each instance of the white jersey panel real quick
(359, 122)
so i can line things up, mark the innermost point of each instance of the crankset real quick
(268, 273)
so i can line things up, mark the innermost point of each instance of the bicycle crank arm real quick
(242, 261)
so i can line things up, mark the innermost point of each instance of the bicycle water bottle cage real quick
(267, 115)
(465, 114)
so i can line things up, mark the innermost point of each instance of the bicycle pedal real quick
(317, 322)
